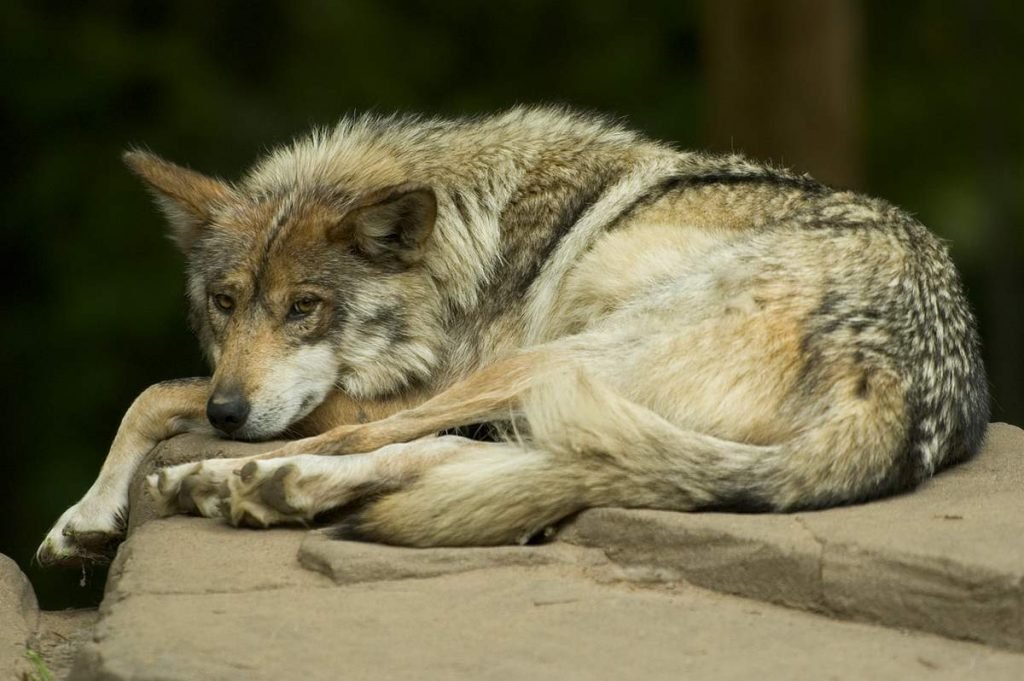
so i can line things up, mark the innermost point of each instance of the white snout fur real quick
(290, 390)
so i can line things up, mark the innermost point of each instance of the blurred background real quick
(918, 102)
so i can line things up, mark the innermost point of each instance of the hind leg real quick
(446, 491)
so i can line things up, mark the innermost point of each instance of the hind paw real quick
(251, 492)
(289, 490)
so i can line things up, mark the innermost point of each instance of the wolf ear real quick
(186, 197)
(391, 224)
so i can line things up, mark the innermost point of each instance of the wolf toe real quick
(164, 486)
(196, 488)
(297, 489)
(266, 493)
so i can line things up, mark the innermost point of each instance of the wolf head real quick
(301, 289)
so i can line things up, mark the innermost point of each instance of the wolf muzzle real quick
(227, 410)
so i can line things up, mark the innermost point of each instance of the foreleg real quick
(91, 528)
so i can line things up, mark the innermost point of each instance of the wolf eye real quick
(224, 303)
(303, 307)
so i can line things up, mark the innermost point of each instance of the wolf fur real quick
(654, 328)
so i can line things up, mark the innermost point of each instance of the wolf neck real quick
(510, 189)
(512, 197)
(509, 234)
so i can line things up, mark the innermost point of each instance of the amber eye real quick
(303, 307)
(224, 303)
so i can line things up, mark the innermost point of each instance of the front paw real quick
(88, 532)
(199, 488)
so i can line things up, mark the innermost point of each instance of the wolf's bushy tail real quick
(583, 446)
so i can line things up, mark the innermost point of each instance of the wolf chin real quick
(652, 328)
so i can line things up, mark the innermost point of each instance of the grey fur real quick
(664, 329)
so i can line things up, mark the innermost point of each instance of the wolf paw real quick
(198, 488)
(275, 492)
(260, 492)
(89, 531)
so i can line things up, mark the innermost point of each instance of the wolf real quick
(645, 327)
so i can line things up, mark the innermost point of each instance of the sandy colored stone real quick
(19, 616)
(60, 635)
(196, 555)
(511, 623)
(348, 562)
(946, 558)
(969, 513)
(772, 559)
(191, 598)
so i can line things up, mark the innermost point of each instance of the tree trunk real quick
(784, 82)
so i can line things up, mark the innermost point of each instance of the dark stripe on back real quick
(768, 177)
(687, 181)
(571, 215)
(583, 201)
(587, 196)
(460, 205)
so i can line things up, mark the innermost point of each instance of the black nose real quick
(227, 411)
